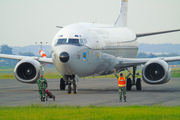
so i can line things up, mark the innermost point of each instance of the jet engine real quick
(27, 70)
(156, 71)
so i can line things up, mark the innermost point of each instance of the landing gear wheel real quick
(128, 86)
(75, 89)
(62, 84)
(74, 86)
(69, 88)
(138, 84)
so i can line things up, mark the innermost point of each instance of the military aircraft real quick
(90, 49)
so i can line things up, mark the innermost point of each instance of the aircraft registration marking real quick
(78, 56)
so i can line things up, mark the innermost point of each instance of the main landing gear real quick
(131, 82)
(70, 81)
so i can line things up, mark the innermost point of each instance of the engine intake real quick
(27, 71)
(156, 71)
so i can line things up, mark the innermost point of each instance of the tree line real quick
(9, 63)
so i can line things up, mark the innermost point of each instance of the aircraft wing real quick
(156, 33)
(130, 62)
(18, 57)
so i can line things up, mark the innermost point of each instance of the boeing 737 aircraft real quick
(89, 49)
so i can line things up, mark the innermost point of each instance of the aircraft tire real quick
(69, 88)
(75, 89)
(128, 86)
(62, 84)
(138, 84)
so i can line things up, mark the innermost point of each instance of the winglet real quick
(122, 19)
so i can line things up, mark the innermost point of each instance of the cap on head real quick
(121, 74)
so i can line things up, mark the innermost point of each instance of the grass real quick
(49, 73)
(175, 72)
(6, 69)
(49, 112)
(7, 76)
(52, 73)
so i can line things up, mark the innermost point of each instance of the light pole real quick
(41, 44)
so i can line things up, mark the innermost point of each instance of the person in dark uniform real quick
(42, 85)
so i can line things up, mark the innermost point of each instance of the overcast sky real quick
(24, 22)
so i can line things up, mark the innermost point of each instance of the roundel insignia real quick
(84, 55)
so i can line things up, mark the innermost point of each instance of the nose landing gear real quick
(70, 81)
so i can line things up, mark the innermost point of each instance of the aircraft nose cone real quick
(64, 57)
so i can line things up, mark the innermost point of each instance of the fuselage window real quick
(62, 41)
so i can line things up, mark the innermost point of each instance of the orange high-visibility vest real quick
(121, 82)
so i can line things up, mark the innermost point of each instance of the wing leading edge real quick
(131, 62)
(18, 57)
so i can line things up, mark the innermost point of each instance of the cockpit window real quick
(73, 41)
(85, 41)
(62, 41)
(81, 42)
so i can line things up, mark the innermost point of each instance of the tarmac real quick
(99, 92)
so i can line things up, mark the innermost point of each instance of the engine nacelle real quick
(156, 71)
(27, 70)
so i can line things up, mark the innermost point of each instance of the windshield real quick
(73, 41)
(62, 41)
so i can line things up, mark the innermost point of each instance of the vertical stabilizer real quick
(122, 19)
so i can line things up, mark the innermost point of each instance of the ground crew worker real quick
(42, 85)
(122, 85)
